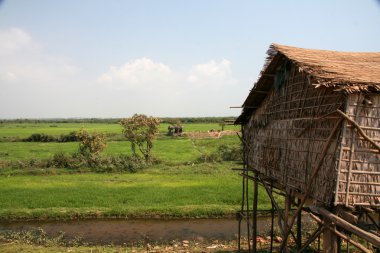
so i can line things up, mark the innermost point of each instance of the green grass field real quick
(177, 187)
(23, 130)
(177, 150)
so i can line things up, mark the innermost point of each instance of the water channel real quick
(120, 231)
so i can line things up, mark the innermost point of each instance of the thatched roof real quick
(344, 71)
(349, 71)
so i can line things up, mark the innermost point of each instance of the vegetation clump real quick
(90, 145)
(38, 137)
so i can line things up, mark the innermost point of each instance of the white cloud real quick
(155, 88)
(211, 74)
(140, 73)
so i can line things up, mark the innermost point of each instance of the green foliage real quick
(39, 138)
(90, 145)
(36, 137)
(141, 130)
(230, 152)
(209, 158)
(70, 137)
(222, 153)
(61, 160)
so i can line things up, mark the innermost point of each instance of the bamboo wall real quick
(359, 166)
(286, 135)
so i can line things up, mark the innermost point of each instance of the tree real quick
(90, 145)
(141, 130)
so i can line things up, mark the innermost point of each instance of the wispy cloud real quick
(23, 60)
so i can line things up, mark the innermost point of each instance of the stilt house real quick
(311, 131)
(311, 124)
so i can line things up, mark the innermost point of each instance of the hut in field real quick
(311, 130)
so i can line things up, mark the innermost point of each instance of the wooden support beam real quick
(347, 216)
(341, 235)
(360, 130)
(260, 92)
(371, 238)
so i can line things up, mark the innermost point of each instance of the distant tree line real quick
(117, 120)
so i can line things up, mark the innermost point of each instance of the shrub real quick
(209, 158)
(70, 137)
(222, 153)
(90, 145)
(61, 160)
(40, 138)
(230, 152)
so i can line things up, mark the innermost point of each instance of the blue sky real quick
(164, 57)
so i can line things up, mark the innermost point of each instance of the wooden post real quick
(299, 228)
(330, 240)
(247, 211)
(272, 222)
(286, 218)
(254, 217)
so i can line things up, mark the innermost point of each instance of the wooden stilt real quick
(254, 214)
(330, 243)
(272, 223)
(247, 213)
(299, 228)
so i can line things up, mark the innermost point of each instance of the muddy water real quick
(117, 231)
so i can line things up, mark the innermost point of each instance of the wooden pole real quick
(360, 130)
(299, 228)
(330, 242)
(274, 203)
(247, 211)
(372, 238)
(272, 223)
(254, 217)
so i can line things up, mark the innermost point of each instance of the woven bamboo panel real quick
(359, 172)
(287, 133)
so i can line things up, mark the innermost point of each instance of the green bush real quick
(40, 138)
(37, 137)
(61, 160)
(222, 153)
(209, 158)
(70, 137)
(230, 152)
